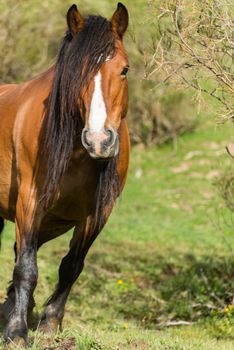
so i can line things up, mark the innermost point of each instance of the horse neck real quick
(46, 77)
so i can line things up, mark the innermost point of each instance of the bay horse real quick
(64, 154)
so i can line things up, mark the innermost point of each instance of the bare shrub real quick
(159, 116)
(194, 47)
(225, 184)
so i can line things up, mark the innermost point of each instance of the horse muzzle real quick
(101, 145)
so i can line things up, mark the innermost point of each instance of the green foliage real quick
(221, 328)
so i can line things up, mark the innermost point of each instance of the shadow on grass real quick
(150, 286)
(157, 287)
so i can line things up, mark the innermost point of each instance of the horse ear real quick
(119, 20)
(75, 21)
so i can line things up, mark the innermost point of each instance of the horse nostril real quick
(84, 138)
(110, 137)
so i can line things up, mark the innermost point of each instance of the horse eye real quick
(124, 71)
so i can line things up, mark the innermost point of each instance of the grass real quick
(166, 256)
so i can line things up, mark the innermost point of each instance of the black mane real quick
(79, 59)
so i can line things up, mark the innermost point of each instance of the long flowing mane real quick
(79, 59)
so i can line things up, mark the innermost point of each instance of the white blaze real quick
(97, 116)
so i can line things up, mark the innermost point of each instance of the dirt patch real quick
(58, 344)
(136, 344)
(213, 174)
(66, 344)
(181, 168)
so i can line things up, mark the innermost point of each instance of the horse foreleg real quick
(70, 268)
(9, 303)
(24, 275)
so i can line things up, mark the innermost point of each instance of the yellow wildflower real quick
(120, 282)
(228, 308)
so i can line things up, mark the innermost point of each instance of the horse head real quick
(104, 96)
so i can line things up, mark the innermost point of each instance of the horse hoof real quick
(50, 327)
(16, 343)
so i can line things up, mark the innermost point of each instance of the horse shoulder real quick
(31, 105)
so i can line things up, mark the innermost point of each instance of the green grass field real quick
(164, 259)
